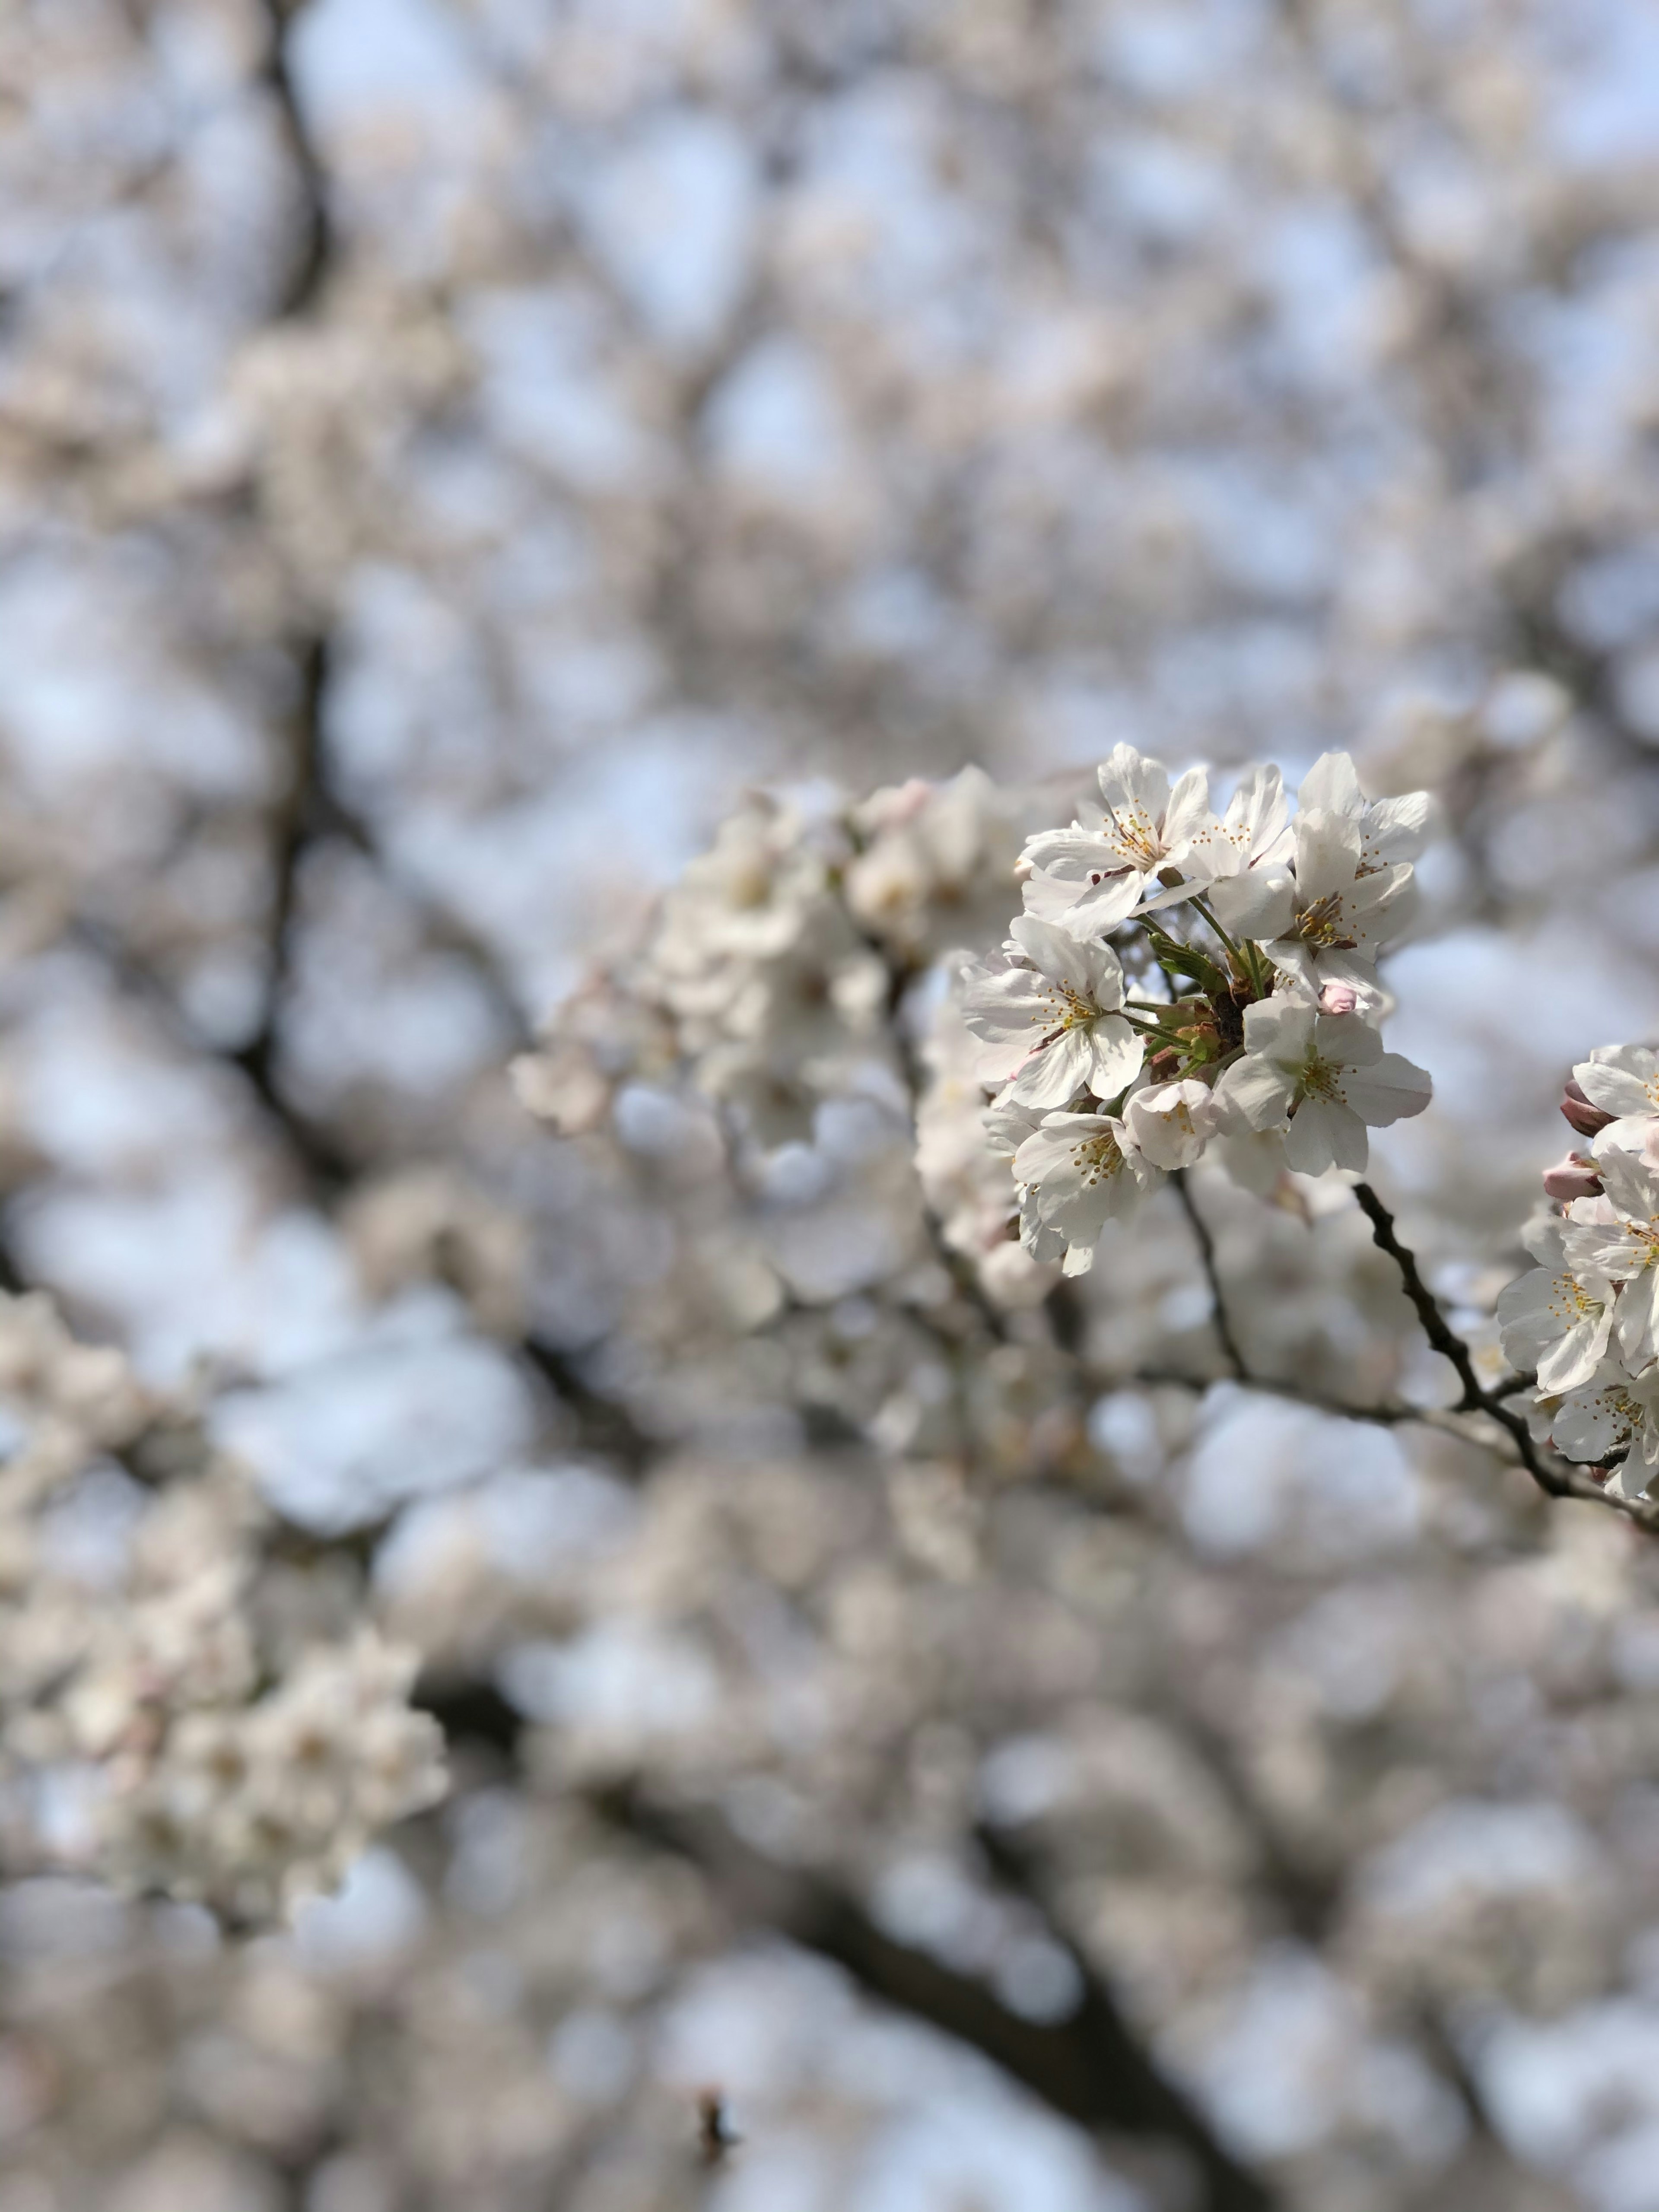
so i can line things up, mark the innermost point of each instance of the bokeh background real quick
(449, 450)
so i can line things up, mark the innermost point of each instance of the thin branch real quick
(1206, 1242)
(314, 250)
(1557, 1477)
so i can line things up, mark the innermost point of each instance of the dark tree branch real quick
(313, 253)
(294, 825)
(1088, 2067)
(1206, 1242)
(1557, 1477)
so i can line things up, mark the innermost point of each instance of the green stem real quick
(1204, 907)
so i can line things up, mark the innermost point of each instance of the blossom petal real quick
(1325, 1133)
(1118, 1052)
(1260, 903)
(1253, 1093)
(1280, 1029)
(1391, 1089)
(1332, 784)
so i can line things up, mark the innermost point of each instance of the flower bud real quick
(1581, 1115)
(1572, 1177)
(1338, 999)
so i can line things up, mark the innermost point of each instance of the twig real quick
(1557, 1478)
(1235, 1358)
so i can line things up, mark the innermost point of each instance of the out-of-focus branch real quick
(294, 825)
(1206, 1242)
(1089, 2067)
(314, 243)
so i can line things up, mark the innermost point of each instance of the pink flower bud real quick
(1572, 1177)
(1580, 1114)
(1338, 999)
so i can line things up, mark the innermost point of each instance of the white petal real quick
(1620, 1079)
(1118, 1052)
(1258, 904)
(1347, 1041)
(1391, 1090)
(1253, 1093)
(1398, 828)
(1053, 1077)
(1332, 783)
(1327, 855)
(1280, 1029)
(1324, 1134)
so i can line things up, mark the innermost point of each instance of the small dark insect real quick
(715, 2134)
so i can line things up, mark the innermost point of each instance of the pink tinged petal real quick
(1580, 1114)
(1324, 1134)
(1256, 904)
(1338, 999)
(1253, 1093)
(1345, 1039)
(1332, 783)
(1571, 1177)
(1391, 1089)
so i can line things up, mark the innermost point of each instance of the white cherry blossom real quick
(1171, 1123)
(1623, 1080)
(1077, 1172)
(1247, 853)
(1558, 1317)
(1100, 870)
(1391, 830)
(1330, 922)
(1617, 1237)
(1050, 1017)
(1328, 1074)
(1613, 1412)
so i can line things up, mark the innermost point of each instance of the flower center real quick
(1320, 1079)
(1321, 924)
(1134, 835)
(1097, 1159)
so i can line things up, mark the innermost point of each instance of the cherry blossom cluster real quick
(176, 1714)
(1180, 976)
(1587, 1317)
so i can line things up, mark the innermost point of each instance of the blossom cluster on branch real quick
(1587, 1317)
(179, 1711)
(1179, 976)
